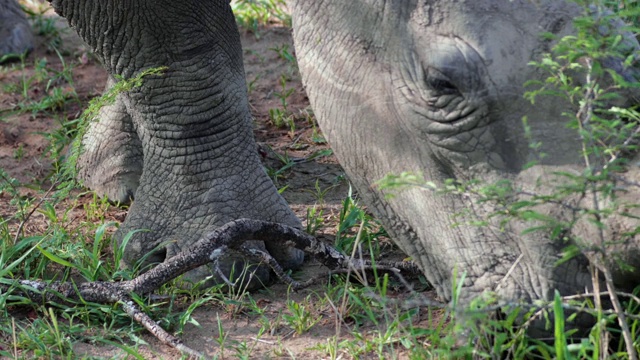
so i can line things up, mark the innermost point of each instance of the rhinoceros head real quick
(436, 87)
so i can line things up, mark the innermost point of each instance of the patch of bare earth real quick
(25, 132)
(295, 154)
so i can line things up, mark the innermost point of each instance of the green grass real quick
(252, 14)
(369, 321)
(54, 83)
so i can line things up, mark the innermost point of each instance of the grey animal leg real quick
(111, 160)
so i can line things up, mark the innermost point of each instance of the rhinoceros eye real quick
(439, 83)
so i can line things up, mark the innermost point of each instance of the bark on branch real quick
(208, 249)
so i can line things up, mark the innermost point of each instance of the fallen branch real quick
(208, 249)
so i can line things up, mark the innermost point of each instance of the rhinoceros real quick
(434, 87)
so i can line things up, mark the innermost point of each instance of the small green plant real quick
(285, 54)
(283, 117)
(55, 88)
(287, 163)
(280, 118)
(300, 317)
(97, 208)
(270, 325)
(18, 153)
(316, 135)
(330, 347)
(357, 226)
(252, 84)
(314, 220)
(284, 94)
(244, 350)
(222, 336)
(318, 192)
(251, 14)
(11, 187)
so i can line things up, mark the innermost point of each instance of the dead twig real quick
(208, 249)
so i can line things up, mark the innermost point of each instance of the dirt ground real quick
(22, 144)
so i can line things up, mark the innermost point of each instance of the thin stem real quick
(622, 319)
(28, 216)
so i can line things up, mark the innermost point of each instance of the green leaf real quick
(530, 215)
(97, 239)
(560, 341)
(568, 253)
(7, 269)
(533, 229)
(55, 258)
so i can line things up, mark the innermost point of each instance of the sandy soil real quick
(22, 145)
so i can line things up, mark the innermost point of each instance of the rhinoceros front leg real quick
(111, 160)
(15, 32)
(200, 167)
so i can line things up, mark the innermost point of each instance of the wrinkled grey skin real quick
(397, 85)
(437, 87)
(15, 32)
(182, 143)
